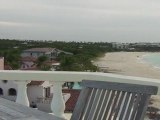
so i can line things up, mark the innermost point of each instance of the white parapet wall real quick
(57, 78)
(63, 76)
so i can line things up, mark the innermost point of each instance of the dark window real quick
(1, 91)
(12, 92)
(5, 81)
(33, 105)
(47, 91)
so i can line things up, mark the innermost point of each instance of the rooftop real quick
(40, 50)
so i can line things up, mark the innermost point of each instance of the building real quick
(51, 53)
(28, 63)
(35, 89)
(120, 45)
(30, 56)
(39, 93)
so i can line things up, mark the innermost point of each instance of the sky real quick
(81, 20)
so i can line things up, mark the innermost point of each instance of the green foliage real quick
(12, 58)
(41, 63)
(45, 67)
(41, 60)
(68, 63)
(83, 52)
(77, 63)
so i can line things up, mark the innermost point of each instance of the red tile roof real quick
(70, 104)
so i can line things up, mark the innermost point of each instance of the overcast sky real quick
(81, 20)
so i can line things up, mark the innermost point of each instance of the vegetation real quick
(81, 60)
(12, 57)
(41, 63)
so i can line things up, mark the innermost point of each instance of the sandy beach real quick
(128, 63)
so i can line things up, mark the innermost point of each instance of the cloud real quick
(13, 24)
(81, 20)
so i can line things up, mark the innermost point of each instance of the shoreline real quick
(128, 63)
(131, 64)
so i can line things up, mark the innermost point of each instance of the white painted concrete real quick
(6, 86)
(57, 104)
(35, 92)
(45, 107)
(22, 97)
(59, 77)
(63, 76)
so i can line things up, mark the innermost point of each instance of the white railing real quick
(57, 78)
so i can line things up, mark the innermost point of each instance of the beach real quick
(128, 63)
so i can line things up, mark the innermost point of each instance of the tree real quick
(67, 63)
(41, 63)
(12, 58)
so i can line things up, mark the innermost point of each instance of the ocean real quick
(153, 59)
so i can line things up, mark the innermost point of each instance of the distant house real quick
(120, 45)
(51, 53)
(28, 62)
(29, 57)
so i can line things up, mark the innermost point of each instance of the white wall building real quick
(35, 90)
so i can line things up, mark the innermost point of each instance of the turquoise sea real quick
(153, 59)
